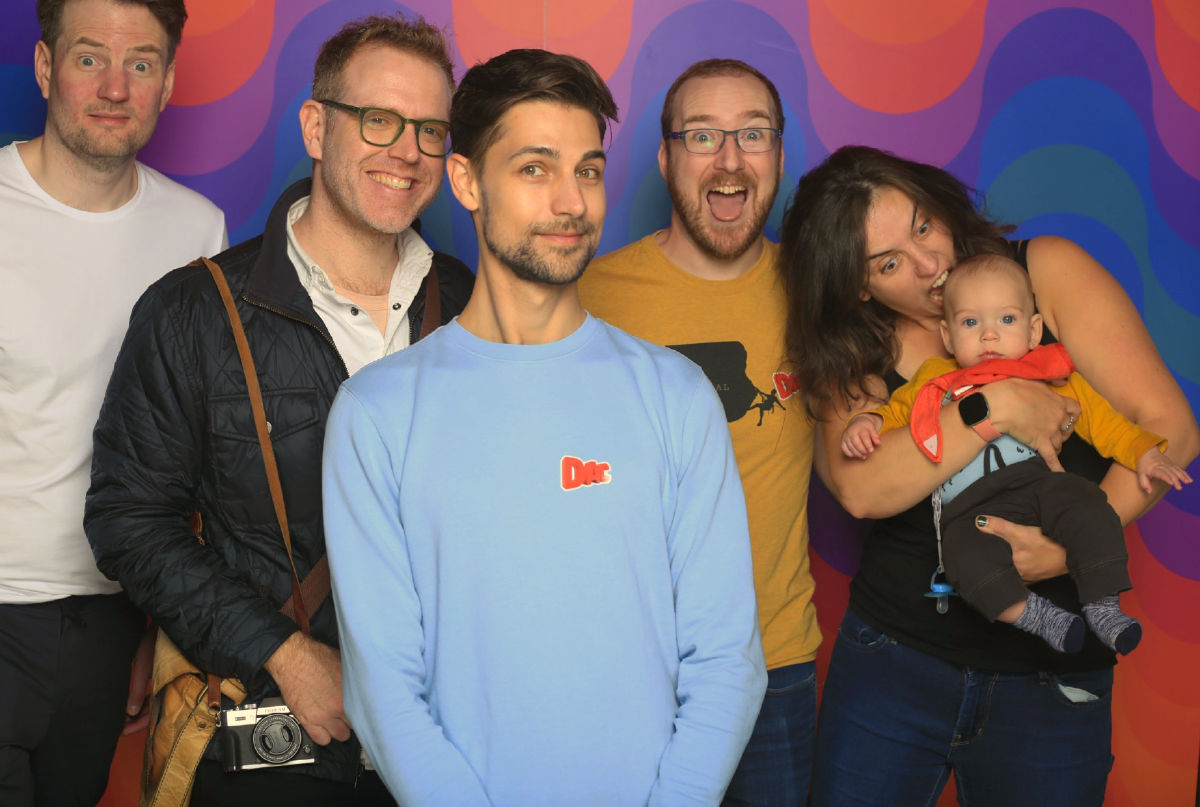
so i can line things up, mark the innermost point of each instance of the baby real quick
(991, 328)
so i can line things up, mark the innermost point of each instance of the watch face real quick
(973, 408)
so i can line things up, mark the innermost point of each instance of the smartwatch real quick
(974, 411)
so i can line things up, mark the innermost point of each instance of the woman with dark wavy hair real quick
(912, 693)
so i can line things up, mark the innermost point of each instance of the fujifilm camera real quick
(263, 735)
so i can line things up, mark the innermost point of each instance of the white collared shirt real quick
(354, 333)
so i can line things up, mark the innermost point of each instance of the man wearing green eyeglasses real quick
(708, 286)
(339, 278)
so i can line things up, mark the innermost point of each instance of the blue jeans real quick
(776, 767)
(894, 722)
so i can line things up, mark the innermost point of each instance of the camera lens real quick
(276, 738)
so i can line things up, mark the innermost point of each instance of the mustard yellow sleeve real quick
(1109, 432)
(898, 410)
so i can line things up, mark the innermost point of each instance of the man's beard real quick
(103, 153)
(524, 261)
(726, 245)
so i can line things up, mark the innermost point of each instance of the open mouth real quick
(389, 181)
(935, 291)
(727, 202)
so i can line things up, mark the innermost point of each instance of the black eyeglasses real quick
(752, 139)
(383, 127)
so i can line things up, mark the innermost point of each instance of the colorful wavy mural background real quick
(1079, 119)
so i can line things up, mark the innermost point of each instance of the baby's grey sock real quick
(1115, 628)
(1061, 629)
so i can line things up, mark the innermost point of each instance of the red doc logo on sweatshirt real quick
(576, 473)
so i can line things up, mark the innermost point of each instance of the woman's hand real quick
(1035, 556)
(1033, 413)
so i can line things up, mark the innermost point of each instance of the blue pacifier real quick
(942, 592)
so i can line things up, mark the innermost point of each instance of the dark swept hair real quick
(491, 88)
(171, 14)
(713, 68)
(413, 36)
(834, 339)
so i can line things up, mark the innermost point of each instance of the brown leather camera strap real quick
(316, 585)
(433, 303)
(264, 439)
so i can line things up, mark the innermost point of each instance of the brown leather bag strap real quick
(213, 695)
(433, 303)
(260, 427)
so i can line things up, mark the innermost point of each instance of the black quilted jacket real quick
(176, 434)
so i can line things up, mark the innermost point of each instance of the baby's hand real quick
(861, 436)
(1154, 465)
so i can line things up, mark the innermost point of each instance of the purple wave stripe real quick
(245, 188)
(184, 144)
(19, 34)
(632, 72)
(1079, 113)
(833, 533)
(1173, 537)
(1098, 50)
(1176, 123)
(25, 109)
(931, 135)
(289, 161)
(187, 141)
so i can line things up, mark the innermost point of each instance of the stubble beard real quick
(729, 245)
(106, 154)
(338, 186)
(525, 263)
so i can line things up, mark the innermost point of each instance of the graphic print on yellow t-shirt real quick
(725, 365)
(734, 329)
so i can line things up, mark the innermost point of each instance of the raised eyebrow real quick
(92, 43)
(89, 42)
(749, 114)
(540, 151)
(595, 154)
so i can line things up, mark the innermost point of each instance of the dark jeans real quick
(261, 788)
(64, 680)
(895, 721)
(776, 766)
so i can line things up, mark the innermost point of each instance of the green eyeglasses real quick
(383, 127)
(752, 140)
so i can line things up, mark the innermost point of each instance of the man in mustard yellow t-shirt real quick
(708, 286)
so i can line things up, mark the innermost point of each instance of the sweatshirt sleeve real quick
(722, 676)
(1110, 433)
(379, 619)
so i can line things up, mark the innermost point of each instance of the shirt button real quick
(354, 311)
(395, 306)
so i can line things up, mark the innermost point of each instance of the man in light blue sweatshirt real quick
(535, 523)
